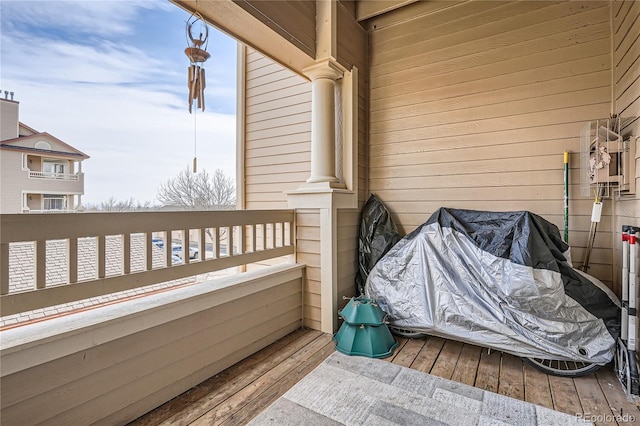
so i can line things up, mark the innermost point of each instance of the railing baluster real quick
(202, 247)
(168, 248)
(73, 260)
(230, 240)
(186, 244)
(4, 268)
(292, 235)
(264, 236)
(148, 250)
(126, 253)
(41, 263)
(253, 238)
(102, 255)
(282, 234)
(273, 235)
(217, 244)
(241, 240)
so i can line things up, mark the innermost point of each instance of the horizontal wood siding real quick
(352, 50)
(348, 225)
(113, 381)
(473, 105)
(278, 159)
(277, 133)
(308, 253)
(627, 92)
(294, 20)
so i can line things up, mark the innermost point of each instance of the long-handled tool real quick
(566, 197)
(596, 214)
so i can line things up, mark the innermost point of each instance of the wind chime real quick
(197, 53)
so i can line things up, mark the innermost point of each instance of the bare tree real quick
(114, 205)
(198, 191)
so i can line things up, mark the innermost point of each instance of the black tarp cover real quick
(496, 279)
(377, 234)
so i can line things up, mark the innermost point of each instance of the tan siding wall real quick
(348, 223)
(293, 20)
(352, 50)
(277, 158)
(114, 381)
(278, 132)
(627, 91)
(277, 154)
(12, 181)
(308, 253)
(473, 106)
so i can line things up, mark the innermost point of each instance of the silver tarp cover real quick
(449, 278)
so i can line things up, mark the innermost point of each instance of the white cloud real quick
(63, 62)
(81, 17)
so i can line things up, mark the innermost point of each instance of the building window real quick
(53, 167)
(43, 145)
(55, 202)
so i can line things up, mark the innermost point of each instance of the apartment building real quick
(38, 172)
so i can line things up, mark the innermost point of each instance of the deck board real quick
(593, 400)
(408, 354)
(274, 392)
(428, 354)
(239, 393)
(536, 387)
(447, 360)
(467, 366)
(511, 377)
(564, 395)
(213, 392)
(610, 386)
(488, 375)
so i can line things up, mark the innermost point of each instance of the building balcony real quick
(52, 175)
(50, 211)
(39, 182)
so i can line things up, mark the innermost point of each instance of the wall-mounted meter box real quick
(607, 159)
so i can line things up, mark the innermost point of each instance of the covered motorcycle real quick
(501, 280)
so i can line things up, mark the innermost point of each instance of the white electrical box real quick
(607, 159)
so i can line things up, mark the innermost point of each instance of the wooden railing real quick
(52, 175)
(33, 211)
(224, 239)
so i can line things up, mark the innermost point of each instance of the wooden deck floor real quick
(239, 393)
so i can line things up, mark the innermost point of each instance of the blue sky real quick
(109, 78)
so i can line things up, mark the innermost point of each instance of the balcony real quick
(50, 211)
(53, 175)
(227, 348)
(165, 340)
(43, 182)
